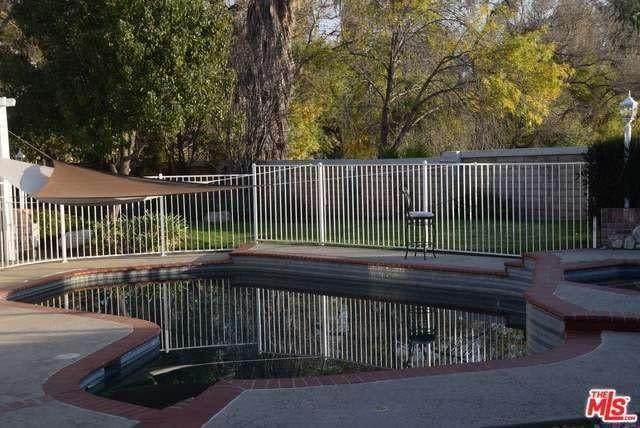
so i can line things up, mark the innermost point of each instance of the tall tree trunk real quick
(122, 164)
(264, 68)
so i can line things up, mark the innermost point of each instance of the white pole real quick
(425, 192)
(8, 226)
(254, 188)
(63, 234)
(321, 216)
(628, 110)
(163, 246)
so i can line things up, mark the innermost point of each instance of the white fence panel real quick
(509, 208)
(220, 220)
(497, 208)
(287, 202)
(35, 232)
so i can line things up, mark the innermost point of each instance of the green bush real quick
(121, 234)
(609, 179)
(632, 175)
(49, 223)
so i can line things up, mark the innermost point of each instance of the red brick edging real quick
(549, 273)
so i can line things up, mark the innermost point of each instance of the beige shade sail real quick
(74, 185)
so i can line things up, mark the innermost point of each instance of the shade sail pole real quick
(8, 223)
(163, 226)
(63, 234)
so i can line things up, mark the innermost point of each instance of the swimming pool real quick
(218, 328)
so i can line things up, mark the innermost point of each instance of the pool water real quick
(621, 277)
(215, 329)
(178, 375)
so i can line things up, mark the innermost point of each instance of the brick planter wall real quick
(617, 225)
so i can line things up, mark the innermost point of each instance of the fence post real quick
(254, 189)
(320, 191)
(425, 192)
(9, 227)
(594, 232)
(63, 234)
(163, 246)
(161, 223)
(425, 183)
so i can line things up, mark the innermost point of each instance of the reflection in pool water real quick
(214, 329)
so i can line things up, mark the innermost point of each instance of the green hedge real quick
(632, 174)
(609, 179)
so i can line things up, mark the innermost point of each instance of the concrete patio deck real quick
(551, 385)
(35, 344)
(501, 397)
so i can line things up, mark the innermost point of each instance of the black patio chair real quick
(417, 221)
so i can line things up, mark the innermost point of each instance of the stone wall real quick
(620, 228)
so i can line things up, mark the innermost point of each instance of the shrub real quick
(632, 175)
(49, 223)
(609, 179)
(125, 235)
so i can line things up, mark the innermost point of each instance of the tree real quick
(590, 38)
(264, 68)
(125, 74)
(421, 58)
(321, 80)
(627, 12)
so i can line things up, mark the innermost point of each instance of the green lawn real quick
(506, 237)
(218, 237)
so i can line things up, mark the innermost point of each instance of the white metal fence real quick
(215, 220)
(498, 208)
(209, 221)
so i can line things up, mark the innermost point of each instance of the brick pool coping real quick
(64, 385)
(549, 272)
